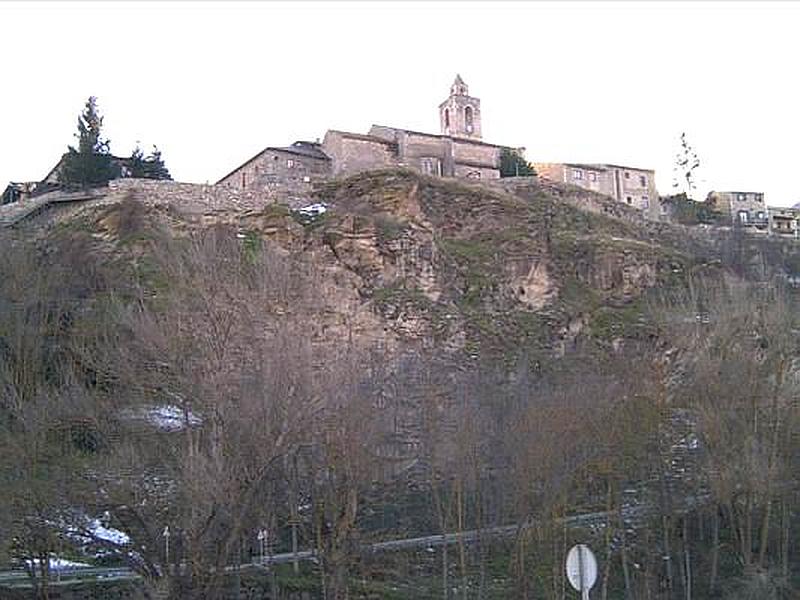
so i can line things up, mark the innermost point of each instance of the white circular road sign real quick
(581, 569)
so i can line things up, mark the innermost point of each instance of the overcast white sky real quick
(212, 84)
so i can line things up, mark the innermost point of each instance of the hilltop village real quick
(288, 174)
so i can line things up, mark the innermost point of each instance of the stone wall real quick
(353, 153)
(429, 154)
(476, 154)
(442, 155)
(193, 197)
(414, 145)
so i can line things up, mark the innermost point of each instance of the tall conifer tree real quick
(91, 163)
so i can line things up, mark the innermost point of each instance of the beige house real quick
(746, 209)
(633, 186)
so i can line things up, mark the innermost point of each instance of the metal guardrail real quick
(19, 577)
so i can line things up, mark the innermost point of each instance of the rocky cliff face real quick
(408, 261)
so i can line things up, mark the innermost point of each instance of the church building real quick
(458, 151)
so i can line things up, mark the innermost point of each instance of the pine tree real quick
(147, 167)
(135, 163)
(91, 163)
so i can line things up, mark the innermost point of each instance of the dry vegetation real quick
(156, 373)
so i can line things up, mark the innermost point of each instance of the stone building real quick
(784, 220)
(630, 185)
(289, 173)
(746, 209)
(282, 173)
(458, 151)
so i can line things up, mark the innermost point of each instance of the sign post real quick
(262, 538)
(581, 569)
(166, 546)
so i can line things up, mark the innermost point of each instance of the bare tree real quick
(49, 429)
(738, 378)
(215, 389)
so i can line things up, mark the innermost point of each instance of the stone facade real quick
(630, 185)
(442, 155)
(284, 175)
(746, 209)
(353, 152)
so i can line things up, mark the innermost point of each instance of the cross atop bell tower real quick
(460, 114)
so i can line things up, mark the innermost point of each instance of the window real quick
(629, 200)
(289, 163)
(741, 197)
(743, 216)
(760, 216)
(643, 180)
(577, 174)
(244, 180)
(592, 176)
(645, 202)
(447, 117)
(468, 118)
(627, 175)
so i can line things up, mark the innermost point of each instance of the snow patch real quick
(170, 417)
(167, 417)
(313, 210)
(57, 564)
(107, 534)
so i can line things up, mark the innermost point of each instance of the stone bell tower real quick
(460, 114)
